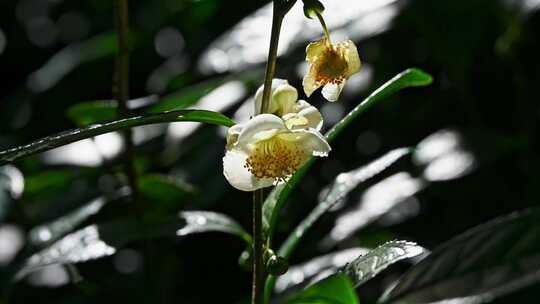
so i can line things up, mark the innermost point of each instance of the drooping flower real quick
(264, 151)
(330, 66)
(285, 104)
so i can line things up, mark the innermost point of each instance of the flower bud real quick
(312, 8)
(277, 265)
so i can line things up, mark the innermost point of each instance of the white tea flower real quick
(285, 104)
(330, 67)
(264, 151)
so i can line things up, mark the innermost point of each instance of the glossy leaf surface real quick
(479, 265)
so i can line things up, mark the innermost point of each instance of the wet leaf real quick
(207, 221)
(70, 136)
(316, 269)
(479, 265)
(369, 265)
(50, 232)
(102, 240)
(343, 184)
(376, 201)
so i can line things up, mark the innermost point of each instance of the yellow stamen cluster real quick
(275, 158)
(332, 69)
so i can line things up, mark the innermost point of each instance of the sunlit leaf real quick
(336, 289)
(207, 221)
(369, 265)
(49, 232)
(70, 136)
(89, 112)
(316, 269)
(343, 184)
(89, 243)
(102, 240)
(358, 264)
(376, 201)
(278, 196)
(480, 265)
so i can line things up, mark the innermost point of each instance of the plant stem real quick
(272, 58)
(121, 92)
(325, 28)
(258, 263)
(259, 273)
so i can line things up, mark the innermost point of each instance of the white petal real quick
(284, 98)
(232, 135)
(315, 49)
(238, 176)
(309, 139)
(350, 53)
(276, 84)
(295, 121)
(313, 141)
(258, 128)
(309, 83)
(314, 117)
(331, 91)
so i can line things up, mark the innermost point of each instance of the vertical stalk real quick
(277, 19)
(121, 91)
(325, 28)
(259, 273)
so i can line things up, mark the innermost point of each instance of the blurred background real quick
(475, 130)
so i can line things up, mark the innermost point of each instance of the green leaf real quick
(369, 265)
(343, 184)
(47, 183)
(275, 200)
(67, 59)
(479, 265)
(207, 221)
(336, 289)
(408, 78)
(359, 269)
(89, 112)
(308, 272)
(185, 97)
(86, 113)
(163, 189)
(70, 136)
(52, 231)
(102, 240)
